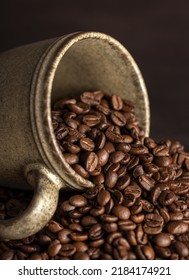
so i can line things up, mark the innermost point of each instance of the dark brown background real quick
(156, 33)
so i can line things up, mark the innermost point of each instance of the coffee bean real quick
(110, 227)
(80, 170)
(54, 226)
(80, 246)
(111, 179)
(160, 150)
(103, 197)
(108, 218)
(118, 118)
(87, 144)
(121, 212)
(54, 248)
(78, 236)
(103, 156)
(153, 223)
(177, 227)
(126, 225)
(146, 183)
(64, 236)
(78, 200)
(181, 249)
(81, 256)
(162, 239)
(7, 255)
(114, 137)
(71, 158)
(167, 197)
(70, 147)
(109, 147)
(116, 102)
(123, 182)
(88, 221)
(90, 98)
(91, 120)
(116, 156)
(91, 162)
(162, 161)
(67, 250)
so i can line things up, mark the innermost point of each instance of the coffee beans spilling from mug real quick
(139, 205)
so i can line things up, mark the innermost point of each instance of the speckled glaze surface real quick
(32, 78)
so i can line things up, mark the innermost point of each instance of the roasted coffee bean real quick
(133, 189)
(149, 143)
(181, 248)
(80, 246)
(154, 195)
(114, 137)
(78, 236)
(162, 252)
(96, 232)
(138, 171)
(71, 158)
(162, 239)
(88, 221)
(153, 223)
(110, 227)
(160, 150)
(177, 227)
(123, 147)
(103, 197)
(91, 120)
(90, 98)
(103, 156)
(110, 179)
(118, 118)
(66, 206)
(162, 161)
(167, 197)
(146, 183)
(126, 225)
(64, 235)
(70, 147)
(91, 162)
(121, 212)
(116, 102)
(67, 250)
(100, 141)
(145, 252)
(109, 147)
(54, 248)
(87, 144)
(78, 200)
(116, 156)
(147, 206)
(80, 170)
(52, 227)
(108, 218)
(123, 182)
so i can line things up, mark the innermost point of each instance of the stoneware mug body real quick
(32, 78)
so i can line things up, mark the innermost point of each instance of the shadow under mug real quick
(32, 78)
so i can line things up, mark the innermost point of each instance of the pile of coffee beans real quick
(139, 205)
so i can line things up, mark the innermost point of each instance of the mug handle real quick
(41, 208)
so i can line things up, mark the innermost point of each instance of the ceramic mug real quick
(32, 78)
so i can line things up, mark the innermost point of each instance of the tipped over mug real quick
(32, 78)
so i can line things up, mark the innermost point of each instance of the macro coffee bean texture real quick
(138, 207)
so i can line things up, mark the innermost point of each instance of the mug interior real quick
(88, 61)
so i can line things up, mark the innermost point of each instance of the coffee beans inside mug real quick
(139, 205)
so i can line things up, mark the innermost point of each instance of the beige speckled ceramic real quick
(32, 77)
